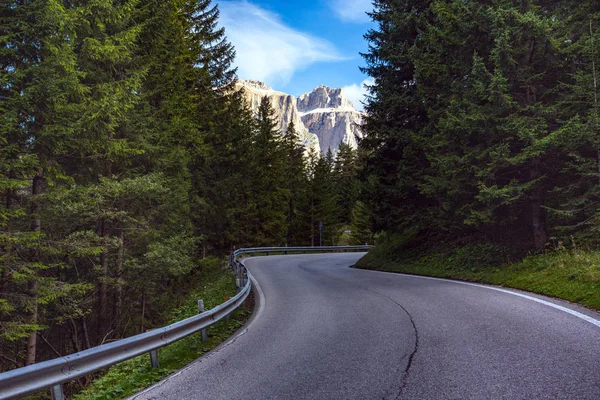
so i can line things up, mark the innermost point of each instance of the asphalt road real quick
(326, 331)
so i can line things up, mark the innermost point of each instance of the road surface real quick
(323, 330)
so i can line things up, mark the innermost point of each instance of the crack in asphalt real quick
(411, 357)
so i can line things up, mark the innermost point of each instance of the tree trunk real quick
(595, 93)
(538, 213)
(312, 222)
(103, 287)
(74, 336)
(37, 188)
(4, 280)
(143, 311)
(86, 335)
(119, 289)
(33, 319)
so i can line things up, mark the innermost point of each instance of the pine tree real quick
(360, 224)
(295, 176)
(223, 215)
(269, 195)
(324, 212)
(395, 114)
(577, 187)
(345, 176)
(40, 85)
(108, 35)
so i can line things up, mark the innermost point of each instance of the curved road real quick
(326, 331)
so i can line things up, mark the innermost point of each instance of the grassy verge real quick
(572, 275)
(129, 377)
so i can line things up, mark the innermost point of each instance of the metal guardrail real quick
(306, 249)
(54, 373)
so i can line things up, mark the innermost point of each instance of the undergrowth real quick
(129, 377)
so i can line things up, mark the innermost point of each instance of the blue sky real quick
(294, 46)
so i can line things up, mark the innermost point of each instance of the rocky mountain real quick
(329, 115)
(324, 118)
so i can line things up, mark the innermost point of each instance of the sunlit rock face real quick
(328, 114)
(324, 97)
(324, 118)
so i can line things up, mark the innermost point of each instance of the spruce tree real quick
(324, 211)
(223, 217)
(395, 114)
(345, 176)
(360, 224)
(295, 176)
(269, 194)
(40, 91)
(107, 40)
(577, 187)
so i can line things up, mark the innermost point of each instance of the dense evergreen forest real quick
(126, 157)
(483, 121)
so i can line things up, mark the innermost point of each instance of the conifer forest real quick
(127, 155)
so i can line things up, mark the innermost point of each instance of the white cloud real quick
(267, 49)
(352, 10)
(356, 93)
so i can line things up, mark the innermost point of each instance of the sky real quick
(294, 46)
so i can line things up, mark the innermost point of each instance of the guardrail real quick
(306, 249)
(54, 373)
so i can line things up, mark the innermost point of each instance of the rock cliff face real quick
(328, 114)
(324, 118)
(324, 97)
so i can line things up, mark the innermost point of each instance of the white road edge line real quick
(261, 296)
(544, 302)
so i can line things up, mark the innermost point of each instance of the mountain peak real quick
(255, 84)
(324, 97)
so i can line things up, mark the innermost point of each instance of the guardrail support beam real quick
(57, 392)
(154, 358)
(200, 311)
(238, 280)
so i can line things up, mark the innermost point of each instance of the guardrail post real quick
(238, 280)
(228, 316)
(154, 358)
(200, 311)
(57, 392)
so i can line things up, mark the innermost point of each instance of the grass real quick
(132, 376)
(569, 274)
